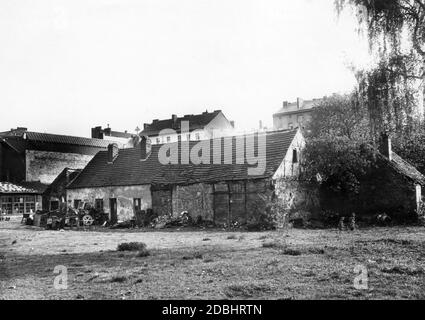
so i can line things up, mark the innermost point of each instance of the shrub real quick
(131, 246)
(119, 279)
(143, 253)
(291, 252)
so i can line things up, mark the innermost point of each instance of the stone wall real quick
(302, 199)
(124, 196)
(196, 199)
(45, 166)
(383, 191)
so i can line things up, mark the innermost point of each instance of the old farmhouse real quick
(218, 189)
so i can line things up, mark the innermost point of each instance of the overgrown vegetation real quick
(131, 246)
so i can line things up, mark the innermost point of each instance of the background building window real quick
(198, 136)
(168, 139)
(158, 140)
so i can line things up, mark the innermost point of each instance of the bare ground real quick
(296, 264)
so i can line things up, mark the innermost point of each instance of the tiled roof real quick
(10, 188)
(197, 121)
(128, 170)
(53, 142)
(62, 139)
(406, 169)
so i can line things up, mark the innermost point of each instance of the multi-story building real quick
(202, 126)
(33, 156)
(294, 115)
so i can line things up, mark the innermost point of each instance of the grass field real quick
(295, 264)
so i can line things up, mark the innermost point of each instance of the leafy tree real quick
(341, 116)
(392, 90)
(336, 150)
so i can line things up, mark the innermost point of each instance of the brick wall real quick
(45, 166)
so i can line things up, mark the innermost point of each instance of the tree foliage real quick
(336, 150)
(386, 21)
(396, 32)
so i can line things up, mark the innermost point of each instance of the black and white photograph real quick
(212, 156)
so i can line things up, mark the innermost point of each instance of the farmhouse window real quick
(77, 203)
(294, 156)
(98, 204)
(137, 204)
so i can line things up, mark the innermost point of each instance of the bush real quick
(291, 252)
(119, 279)
(143, 253)
(131, 246)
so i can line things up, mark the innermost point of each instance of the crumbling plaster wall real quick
(45, 166)
(196, 199)
(288, 168)
(124, 195)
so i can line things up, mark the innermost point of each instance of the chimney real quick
(18, 131)
(107, 131)
(285, 104)
(145, 148)
(232, 123)
(97, 133)
(261, 124)
(174, 118)
(112, 152)
(145, 126)
(385, 147)
(300, 103)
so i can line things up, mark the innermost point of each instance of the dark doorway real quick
(113, 207)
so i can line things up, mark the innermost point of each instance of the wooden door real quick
(114, 210)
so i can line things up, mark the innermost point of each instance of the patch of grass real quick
(404, 270)
(206, 239)
(241, 238)
(263, 237)
(274, 245)
(232, 237)
(143, 253)
(131, 246)
(246, 290)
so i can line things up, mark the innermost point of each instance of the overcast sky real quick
(66, 66)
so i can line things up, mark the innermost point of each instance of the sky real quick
(67, 66)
